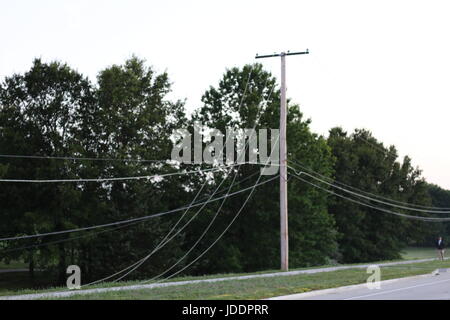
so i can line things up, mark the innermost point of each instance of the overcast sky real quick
(380, 65)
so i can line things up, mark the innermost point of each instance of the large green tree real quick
(367, 234)
(40, 115)
(52, 110)
(122, 127)
(133, 120)
(252, 243)
(440, 198)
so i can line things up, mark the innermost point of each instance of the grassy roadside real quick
(419, 253)
(14, 283)
(18, 283)
(260, 288)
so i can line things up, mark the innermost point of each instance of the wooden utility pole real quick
(284, 235)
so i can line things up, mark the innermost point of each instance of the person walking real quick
(440, 248)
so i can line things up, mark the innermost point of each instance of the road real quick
(425, 287)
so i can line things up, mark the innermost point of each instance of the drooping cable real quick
(409, 205)
(138, 263)
(428, 219)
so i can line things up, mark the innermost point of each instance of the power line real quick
(369, 198)
(197, 241)
(386, 152)
(16, 156)
(218, 238)
(165, 240)
(92, 233)
(138, 263)
(123, 221)
(114, 179)
(161, 244)
(303, 167)
(257, 119)
(428, 219)
(228, 194)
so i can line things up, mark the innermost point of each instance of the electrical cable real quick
(137, 264)
(304, 167)
(16, 156)
(111, 179)
(221, 235)
(219, 209)
(369, 198)
(92, 233)
(122, 221)
(428, 219)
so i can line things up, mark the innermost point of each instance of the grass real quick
(13, 265)
(260, 288)
(25, 287)
(419, 253)
(19, 283)
(16, 281)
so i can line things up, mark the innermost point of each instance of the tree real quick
(134, 119)
(364, 163)
(253, 241)
(53, 110)
(440, 198)
(40, 116)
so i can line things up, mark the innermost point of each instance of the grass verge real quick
(260, 288)
(18, 283)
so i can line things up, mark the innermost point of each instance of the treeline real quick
(55, 112)
(440, 198)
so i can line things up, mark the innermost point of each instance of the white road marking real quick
(395, 290)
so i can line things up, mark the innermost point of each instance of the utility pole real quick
(284, 235)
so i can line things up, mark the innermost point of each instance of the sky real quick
(380, 65)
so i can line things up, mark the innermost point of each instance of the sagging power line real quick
(373, 199)
(131, 268)
(422, 218)
(296, 162)
(124, 221)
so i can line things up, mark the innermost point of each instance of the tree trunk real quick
(31, 267)
(62, 264)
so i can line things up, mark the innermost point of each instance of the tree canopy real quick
(68, 127)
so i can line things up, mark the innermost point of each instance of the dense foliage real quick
(364, 163)
(54, 111)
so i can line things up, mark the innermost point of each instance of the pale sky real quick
(380, 65)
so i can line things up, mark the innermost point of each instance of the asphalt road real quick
(425, 287)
